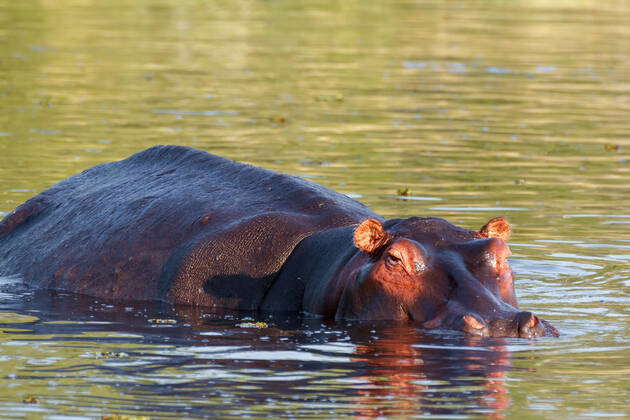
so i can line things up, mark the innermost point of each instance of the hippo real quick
(182, 226)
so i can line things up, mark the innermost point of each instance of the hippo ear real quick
(370, 235)
(496, 228)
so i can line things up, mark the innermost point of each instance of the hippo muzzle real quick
(521, 324)
(482, 300)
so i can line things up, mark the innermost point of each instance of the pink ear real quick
(496, 228)
(370, 235)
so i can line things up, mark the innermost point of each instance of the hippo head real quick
(431, 272)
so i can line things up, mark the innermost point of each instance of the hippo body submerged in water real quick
(183, 226)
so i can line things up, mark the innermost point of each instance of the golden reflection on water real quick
(477, 108)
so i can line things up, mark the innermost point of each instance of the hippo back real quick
(170, 223)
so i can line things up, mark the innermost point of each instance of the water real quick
(478, 108)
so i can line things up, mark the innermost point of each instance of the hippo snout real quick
(522, 324)
(530, 326)
(517, 324)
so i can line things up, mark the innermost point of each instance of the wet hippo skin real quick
(183, 226)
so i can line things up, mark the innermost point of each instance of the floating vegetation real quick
(113, 355)
(162, 321)
(278, 120)
(403, 192)
(259, 324)
(30, 399)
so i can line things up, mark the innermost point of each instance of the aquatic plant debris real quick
(252, 325)
(123, 417)
(113, 355)
(278, 120)
(162, 321)
(403, 192)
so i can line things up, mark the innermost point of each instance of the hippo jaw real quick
(439, 277)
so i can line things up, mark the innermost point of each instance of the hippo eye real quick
(393, 259)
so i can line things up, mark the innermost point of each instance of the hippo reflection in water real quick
(183, 226)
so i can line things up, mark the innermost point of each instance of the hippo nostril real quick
(533, 321)
(526, 319)
(472, 325)
(473, 322)
(527, 323)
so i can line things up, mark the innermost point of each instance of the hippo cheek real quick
(375, 295)
(426, 308)
(363, 306)
(363, 299)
